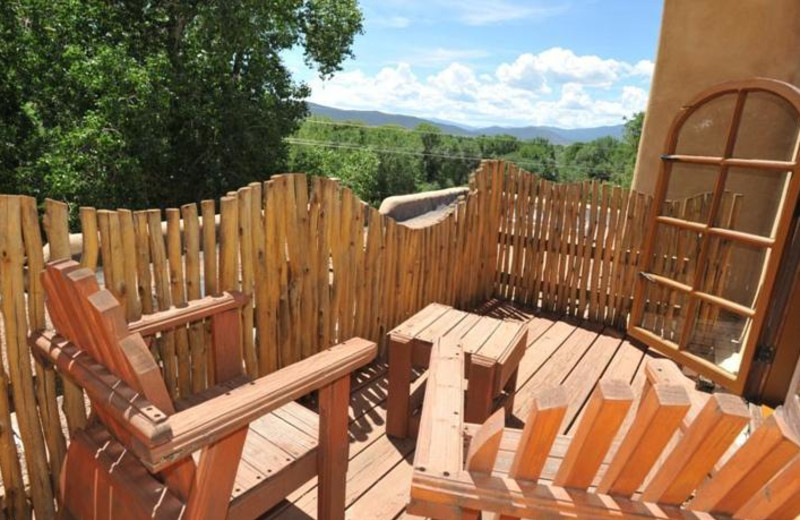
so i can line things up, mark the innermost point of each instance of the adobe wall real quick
(706, 42)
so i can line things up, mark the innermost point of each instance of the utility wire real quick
(396, 151)
(588, 145)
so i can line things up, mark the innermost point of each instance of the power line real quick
(397, 151)
(585, 144)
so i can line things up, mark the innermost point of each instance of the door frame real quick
(773, 246)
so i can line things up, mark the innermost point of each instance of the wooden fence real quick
(575, 249)
(320, 266)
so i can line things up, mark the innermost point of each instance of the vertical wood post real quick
(333, 448)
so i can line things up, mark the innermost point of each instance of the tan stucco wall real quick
(706, 42)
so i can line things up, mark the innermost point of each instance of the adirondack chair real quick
(138, 456)
(462, 469)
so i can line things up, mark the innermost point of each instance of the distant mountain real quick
(553, 134)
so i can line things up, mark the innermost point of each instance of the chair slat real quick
(657, 419)
(105, 320)
(485, 444)
(147, 373)
(483, 450)
(63, 306)
(137, 368)
(771, 447)
(605, 411)
(665, 371)
(544, 422)
(704, 442)
(780, 499)
(54, 303)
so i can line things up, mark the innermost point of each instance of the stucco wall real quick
(706, 42)
(404, 208)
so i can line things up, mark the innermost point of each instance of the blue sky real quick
(565, 63)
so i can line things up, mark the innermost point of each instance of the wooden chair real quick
(670, 458)
(138, 457)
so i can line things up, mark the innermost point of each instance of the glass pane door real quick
(726, 190)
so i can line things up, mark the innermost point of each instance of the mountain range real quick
(554, 135)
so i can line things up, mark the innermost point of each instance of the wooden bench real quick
(136, 458)
(672, 457)
(493, 350)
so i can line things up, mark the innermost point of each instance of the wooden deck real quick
(560, 351)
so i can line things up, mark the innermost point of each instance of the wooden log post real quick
(15, 320)
(56, 225)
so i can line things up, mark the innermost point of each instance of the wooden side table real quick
(493, 349)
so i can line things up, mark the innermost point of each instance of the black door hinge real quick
(765, 354)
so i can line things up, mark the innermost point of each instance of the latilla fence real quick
(320, 267)
(574, 249)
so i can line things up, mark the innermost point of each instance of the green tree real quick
(15, 127)
(356, 168)
(431, 137)
(538, 155)
(141, 103)
(631, 137)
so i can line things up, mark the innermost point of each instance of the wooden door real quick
(726, 190)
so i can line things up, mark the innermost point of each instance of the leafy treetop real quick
(152, 103)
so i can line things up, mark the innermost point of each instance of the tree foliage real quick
(154, 103)
(395, 160)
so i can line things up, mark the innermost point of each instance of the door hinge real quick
(765, 354)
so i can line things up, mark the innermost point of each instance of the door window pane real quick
(718, 336)
(675, 253)
(751, 200)
(664, 311)
(733, 270)
(690, 190)
(705, 132)
(768, 128)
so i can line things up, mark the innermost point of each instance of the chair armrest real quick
(216, 418)
(194, 310)
(440, 447)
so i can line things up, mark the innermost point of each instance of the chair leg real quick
(511, 392)
(479, 393)
(333, 450)
(397, 405)
(215, 477)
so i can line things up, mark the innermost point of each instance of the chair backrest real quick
(94, 321)
(703, 471)
(674, 456)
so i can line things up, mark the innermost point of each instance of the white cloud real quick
(457, 82)
(557, 66)
(556, 87)
(644, 68)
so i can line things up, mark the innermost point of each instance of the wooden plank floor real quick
(560, 351)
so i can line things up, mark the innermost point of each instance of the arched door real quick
(727, 188)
